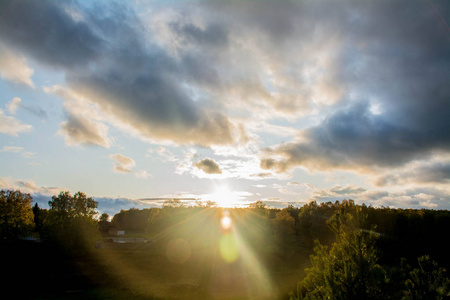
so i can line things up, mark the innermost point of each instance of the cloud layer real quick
(270, 89)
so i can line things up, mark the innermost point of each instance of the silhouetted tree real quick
(40, 215)
(104, 224)
(294, 213)
(71, 219)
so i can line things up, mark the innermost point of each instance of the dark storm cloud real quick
(382, 68)
(213, 35)
(355, 138)
(44, 29)
(107, 60)
(396, 65)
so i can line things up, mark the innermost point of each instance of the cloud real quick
(162, 153)
(12, 126)
(62, 42)
(433, 171)
(122, 164)
(12, 149)
(327, 86)
(15, 149)
(28, 186)
(14, 105)
(431, 198)
(84, 125)
(354, 138)
(142, 174)
(79, 130)
(208, 166)
(349, 189)
(374, 123)
(14, 67)
(138, 84)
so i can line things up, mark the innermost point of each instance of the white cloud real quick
(78, 130)
(14, 105)
(12, 149)
(15, 149)
(28, 186)
(162, 153)
(85, 124)
(142, 174)
(122, 163)
(14, 67)
(12, 126)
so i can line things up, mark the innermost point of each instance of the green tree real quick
(348, 270)
(428, 281)
(67, 207)
(284, 229)
(16, 215)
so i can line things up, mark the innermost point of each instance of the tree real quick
(16, 216)
(67, 207)
(71, 219)
(294, 212)
(428, 281)
(284, 220)
(284, 228)
(104, 224)
(348, 270)
(258, 204)
(39, 217)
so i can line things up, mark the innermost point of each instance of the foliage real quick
(71, 220)
(348, 270)
(428, 281)
(284, 219)
(16, 215)
(257, 204)
(133, 219)
(39, 216)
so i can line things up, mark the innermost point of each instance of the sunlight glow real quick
(223, 196)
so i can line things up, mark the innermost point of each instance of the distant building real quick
(123, 240)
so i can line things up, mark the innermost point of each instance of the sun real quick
(223, 196)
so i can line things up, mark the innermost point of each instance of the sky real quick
(286, 102)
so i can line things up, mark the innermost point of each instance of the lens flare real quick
(228, 248)
(225, 221)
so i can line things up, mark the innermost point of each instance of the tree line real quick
(70, 222)
(357, 251)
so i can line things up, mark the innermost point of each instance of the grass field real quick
(150, 271)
